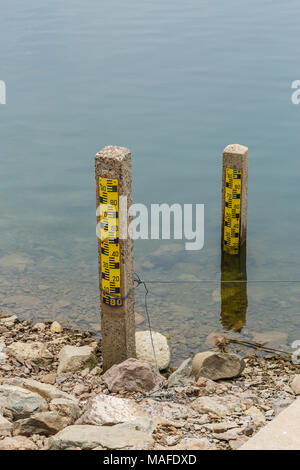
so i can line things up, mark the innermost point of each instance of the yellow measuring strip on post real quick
(232, 214)
(110, 243)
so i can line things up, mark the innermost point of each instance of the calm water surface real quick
(175, 82)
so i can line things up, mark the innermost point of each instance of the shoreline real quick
(202, 414)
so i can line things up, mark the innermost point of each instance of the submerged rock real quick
(144, 348)
(165, 256)
(273, 339)
(216, 366)
(132, 375)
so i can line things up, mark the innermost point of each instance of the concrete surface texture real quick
(283, 433)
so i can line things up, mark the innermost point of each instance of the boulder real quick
(17, 443)
(108, 410)
(22, 403)
(74, 359)
(182, 375)
(45, 423)
(67, 409)
(216, 366)
(47, 391)
(5, 427)
(144, 348)
(134, 435)
(35, 352)
(132, 375)
(295, 384)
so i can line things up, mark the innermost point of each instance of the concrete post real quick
(117, 322)
(235, 157)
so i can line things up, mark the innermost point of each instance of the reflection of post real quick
(113, 179)
(234, 299)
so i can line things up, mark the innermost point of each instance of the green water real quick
(175, 82)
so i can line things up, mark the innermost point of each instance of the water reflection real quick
(234, 298)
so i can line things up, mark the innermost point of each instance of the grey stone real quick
(22, 403)
(67, 409)
(47, 391)
(134, 435)
(182, 375)
(210, 405)
(74, 359)
(132, 375)
(216, 366)
(45, 423)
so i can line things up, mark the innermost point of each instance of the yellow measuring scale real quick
(232, 214)
(110, 242)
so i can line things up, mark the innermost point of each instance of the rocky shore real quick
(53, 394)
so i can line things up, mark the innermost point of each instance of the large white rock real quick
(74, 359)
(134, 435)
(47, 391)
(108, 410)
(35, 352)
(144, 348)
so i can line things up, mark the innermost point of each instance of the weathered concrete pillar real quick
(116, 269)
(234, 198)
